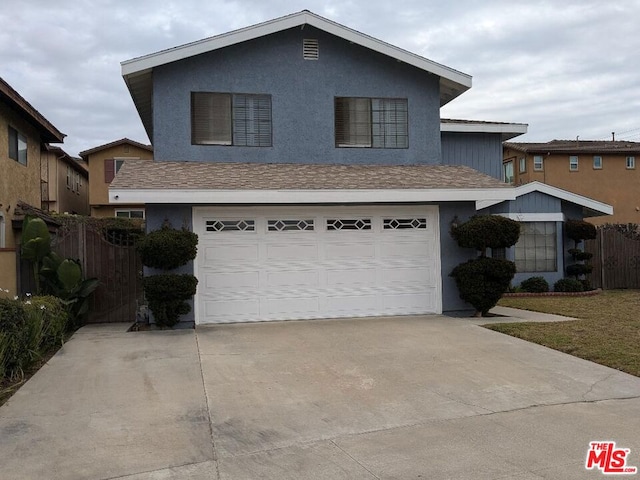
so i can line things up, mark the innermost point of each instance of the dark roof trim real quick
(576, 146)
(115, 143)
(48, 132)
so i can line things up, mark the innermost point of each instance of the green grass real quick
(607, 332)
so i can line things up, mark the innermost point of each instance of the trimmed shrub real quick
(487, 231)
(535, 285)
(579, 255)
(167, 295)
(167, 248)
(578, 230)
(55, 319)
(482, 281)
(568, 285)
(578, 269)
(586, 284)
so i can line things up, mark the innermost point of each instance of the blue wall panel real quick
(303, 93)
(482, 151)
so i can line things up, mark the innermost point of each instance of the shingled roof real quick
(139, 174)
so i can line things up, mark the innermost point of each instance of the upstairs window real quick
(508, 172)
(597, 162)
(523, 164)
(631, 163)
(17, 146)
(371, 122)
(573, 163)
(538, 163)
(230, 119)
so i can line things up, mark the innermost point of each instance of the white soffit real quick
(507, 130)
(221, 197)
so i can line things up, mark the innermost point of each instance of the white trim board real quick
(596, 206)
(534, 217)
(507, 130)
(305, 17)
(189, 196)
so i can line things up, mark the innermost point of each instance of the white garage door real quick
(282, 263)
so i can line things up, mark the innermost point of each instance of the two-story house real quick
(65, 182)
(604, 170)
(312, 162)
(23, 133)
(104, 162)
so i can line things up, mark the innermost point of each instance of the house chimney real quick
(613, 136)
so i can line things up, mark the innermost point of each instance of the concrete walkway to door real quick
(383, 398)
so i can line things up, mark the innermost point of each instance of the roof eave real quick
(137, 72)
(506, 130)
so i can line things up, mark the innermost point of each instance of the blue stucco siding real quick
(482, 151)
(451, 254)
(179, 216)
(302, 96)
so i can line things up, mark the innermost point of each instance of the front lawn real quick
(608, 331)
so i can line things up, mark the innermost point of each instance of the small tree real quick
(483, 280)
(579, 230)
(167, 293)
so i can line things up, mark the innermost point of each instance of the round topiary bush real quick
(568, 285)
(482, 281)
(578, 269)
(487, 231)
(578, 230)
(167, 248)
(535, 285)
(167, 295)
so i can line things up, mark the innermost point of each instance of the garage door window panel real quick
(336, 224)
(290, 225)
(240, 225)
(404, 224)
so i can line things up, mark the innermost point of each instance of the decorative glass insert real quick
(404, 223)
(289, 225)
(536, 247)
(349, 224)
(230, 225)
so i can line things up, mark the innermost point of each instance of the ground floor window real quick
(133, 213)
(536, 250)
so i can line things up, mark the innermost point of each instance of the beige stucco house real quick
(23, 133)
(104, 162)
(65, 182)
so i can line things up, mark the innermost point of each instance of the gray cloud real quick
(567, 68)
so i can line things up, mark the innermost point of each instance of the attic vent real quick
(310, 49)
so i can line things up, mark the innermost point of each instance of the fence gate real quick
(616, 257)
(113, 260)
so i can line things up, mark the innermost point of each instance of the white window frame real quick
(367, 122)
(597, 162)
(631, 163)
(531, 248)
(505, 175)
(538, 163)
(69, 178)
(573, 163)
(522, 165)
(231, 119)
(129, 211)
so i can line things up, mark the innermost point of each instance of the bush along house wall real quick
(167, 249)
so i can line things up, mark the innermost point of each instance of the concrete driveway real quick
(408, 397)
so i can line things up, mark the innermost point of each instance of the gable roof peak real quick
(137, 72)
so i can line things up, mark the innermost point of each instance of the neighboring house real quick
(65, 182)
(312, 162)
(604, 170)
(104, 163)
(23, 133)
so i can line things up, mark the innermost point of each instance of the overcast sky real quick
(567, 68)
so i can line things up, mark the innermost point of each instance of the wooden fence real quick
(112, 259)
(616, 257)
